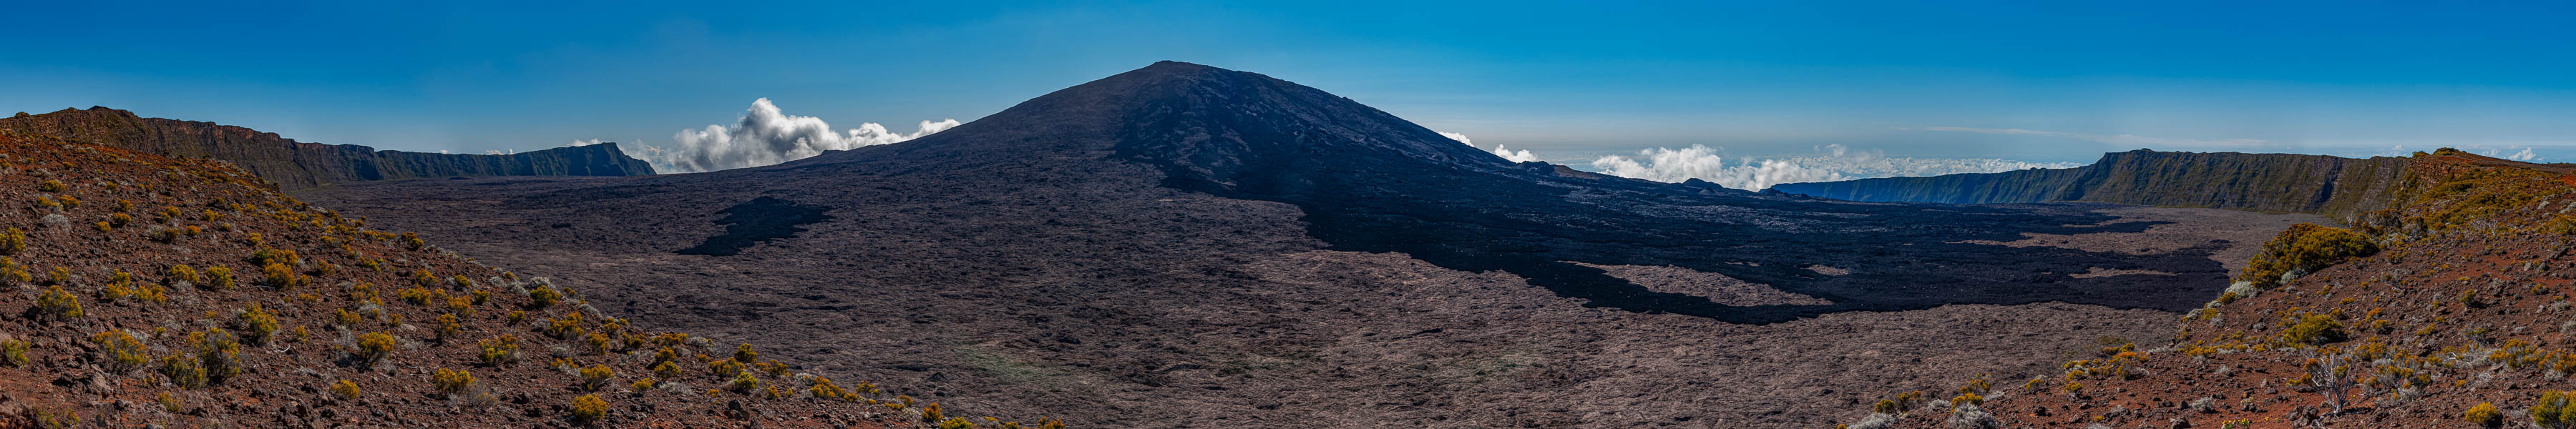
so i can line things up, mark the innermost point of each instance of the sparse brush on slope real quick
(121, 312)
(2446, 310)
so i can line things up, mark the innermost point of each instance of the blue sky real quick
(1569, 81)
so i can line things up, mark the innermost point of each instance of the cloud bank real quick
(1507, 154)
(1833, 162)
(766, 136)
(2122, 140)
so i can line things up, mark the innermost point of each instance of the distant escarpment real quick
(2327, 185)
(297, 165)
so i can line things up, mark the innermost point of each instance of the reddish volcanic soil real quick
(307, 289)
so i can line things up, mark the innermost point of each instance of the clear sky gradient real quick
(2042, 81)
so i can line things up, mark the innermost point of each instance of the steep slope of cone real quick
(186, 293)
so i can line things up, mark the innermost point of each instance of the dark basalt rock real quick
(297, 165)
(752, 222)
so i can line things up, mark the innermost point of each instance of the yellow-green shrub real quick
(498, 351)
(2554, 410)
(452, 381)
(56, 304)
(2303, 248)
(14, 353)
(596, 377)
(13, 241)
(743, 382)
(218, 278)
(182, 370)
(280, 276)
(184, 273)
(375, 346)
(258, 324)
(543, 296)
(2313, 329)
(589, 409)
(345, 389)
(12, 274)
(122, 350)
(217, 352)
(2483, 414)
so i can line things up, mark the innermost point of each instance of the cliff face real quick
(297, 165)
(2332, 186)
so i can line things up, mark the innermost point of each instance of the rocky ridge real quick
(2332, 186)
(297, 165)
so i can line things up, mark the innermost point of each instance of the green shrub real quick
(2484, 414)
(2314, 329)
(2561, 225)
(13, 241)
(452, 381)
(448, 326)
(183, 371)
(543, 296)
(122, 350)
(589, 409)
(345, 389)
(12, 274)
(280, 276)
(375, 346)
(743, 382)
(2304, 248)
(596, 377)
(55, 304)
(258, 324)
(183, 273)
(743, 353)
(498, 351)
(568, 327)
(2553, 410)
(218, 278)
(50, 186)
(218, 353)
(14, 353)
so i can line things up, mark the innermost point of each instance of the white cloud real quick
(585, 142)
(766, 136)
(1461, 138)
(2525, 155)
(2121, 140)
(501, 152)
(1507, 154)
(1833, 162)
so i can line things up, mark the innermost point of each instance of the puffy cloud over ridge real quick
(765, 135)
(1834, 163)
(1507, 154)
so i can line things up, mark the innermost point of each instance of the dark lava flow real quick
(761, 219)
(1370, 182)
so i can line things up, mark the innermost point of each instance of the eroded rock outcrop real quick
(2332, 186)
